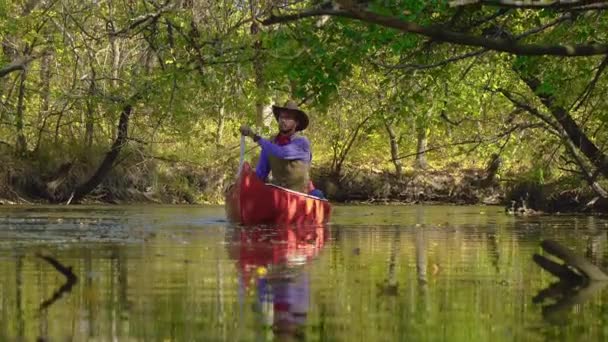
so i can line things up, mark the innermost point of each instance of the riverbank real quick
(155, 181)
(518, 194)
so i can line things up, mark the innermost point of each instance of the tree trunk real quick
(340, 156)
(422, 123)
(115, 69)
(221, 115)
(21, 143)
(6, 92)
(90, 113)
(258, 70)
(108, 162)
(492, 169)
(45, 90)
(88, 133)
(420, 162)
(394, 148)
(589, 176)
(220, 124)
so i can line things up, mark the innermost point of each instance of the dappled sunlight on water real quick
(375, 273)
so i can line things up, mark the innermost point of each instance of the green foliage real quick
(525, 65)
(196, 72)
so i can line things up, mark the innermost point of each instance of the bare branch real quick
(591, 178)
(16, 65)
(598, 6)
(145, 18)
(535, 112)
(476, 141)
(589, 88)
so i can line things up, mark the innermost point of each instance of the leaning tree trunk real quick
(108, 162)
(589, 176)
(576, 135)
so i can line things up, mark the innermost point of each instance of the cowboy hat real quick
(291, 106)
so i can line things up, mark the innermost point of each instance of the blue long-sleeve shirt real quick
(297, 149)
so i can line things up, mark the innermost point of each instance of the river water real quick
(376, 273)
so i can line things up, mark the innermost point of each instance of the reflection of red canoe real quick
(268, 247)
(250, 201)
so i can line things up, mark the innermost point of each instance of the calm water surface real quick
(390, 273)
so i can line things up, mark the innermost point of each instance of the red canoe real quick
(250, 201)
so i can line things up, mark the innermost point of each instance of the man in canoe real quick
(288, 154)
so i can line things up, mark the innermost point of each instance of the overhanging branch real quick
(555, 4)
(479, 52)
(441, 34)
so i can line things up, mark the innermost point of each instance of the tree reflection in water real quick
(271, 264)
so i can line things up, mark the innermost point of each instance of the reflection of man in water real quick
(284, 303)
(272, 259)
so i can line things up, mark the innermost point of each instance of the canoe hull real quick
(250, 201)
